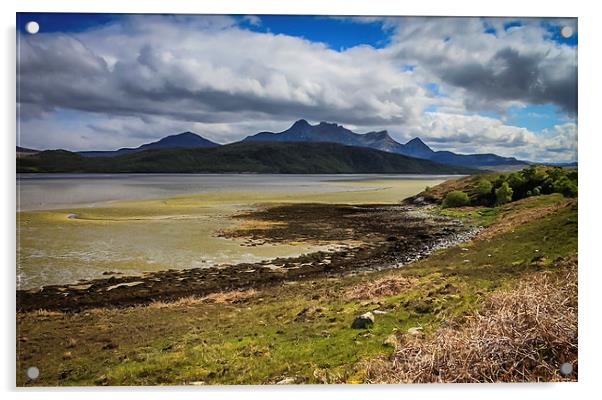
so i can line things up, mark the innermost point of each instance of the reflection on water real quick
(73, 227)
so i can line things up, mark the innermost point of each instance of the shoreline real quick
(389, 235)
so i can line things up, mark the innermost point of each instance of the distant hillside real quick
(186, 140)
(25, 152)
(268, 157)
(302, 131)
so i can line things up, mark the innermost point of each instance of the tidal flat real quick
(73, 227)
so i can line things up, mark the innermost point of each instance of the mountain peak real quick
(417, 148)
(417, 141)
(300, 124)
(324, 123)
(185, 139)
(418, 144)
(379, 134)
(187, 133)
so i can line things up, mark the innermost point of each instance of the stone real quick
(286, 381)
(390, 341)
(364, 321)
(417, 330)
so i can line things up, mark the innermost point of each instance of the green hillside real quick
(266, 157)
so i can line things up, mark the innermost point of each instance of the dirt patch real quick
(522, 334)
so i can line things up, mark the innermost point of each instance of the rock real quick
(417, 330)
(286, 381)
(390, 341)
(379, 312)
(364, 321)
(102, 380)
(67, 355)
(109, 346)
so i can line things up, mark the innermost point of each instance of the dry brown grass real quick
(514, 216)
(438, 192)
(389, 286)
(520, 335)
(46, 313)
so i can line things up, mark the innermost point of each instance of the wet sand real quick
(84, 240)
(380, 236)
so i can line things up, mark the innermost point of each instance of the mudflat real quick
(376, 237)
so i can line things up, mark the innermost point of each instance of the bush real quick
(503, 194)
(483, 188)
(518, 184)
(534, 180)
(456, 198)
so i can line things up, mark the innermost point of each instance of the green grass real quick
(264, 339)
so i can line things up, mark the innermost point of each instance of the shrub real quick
(503, 194)
(565, 186)
(455, 198)
(518, 184)
(483, 188)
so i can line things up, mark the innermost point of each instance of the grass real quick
(521, 334)
(299, 330)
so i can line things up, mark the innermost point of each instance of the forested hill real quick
(245, 157)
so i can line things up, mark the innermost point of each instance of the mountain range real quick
(241, 157)
(185, 140)
(303, 132)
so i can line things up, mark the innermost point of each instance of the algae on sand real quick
(179, 232)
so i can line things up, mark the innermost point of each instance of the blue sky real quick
(411, 76)
(336, 33)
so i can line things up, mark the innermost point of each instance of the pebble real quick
(417, 330)
(363, 321)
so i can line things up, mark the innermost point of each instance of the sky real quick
(470, 85)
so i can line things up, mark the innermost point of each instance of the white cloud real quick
(146, 77)
(253, 20)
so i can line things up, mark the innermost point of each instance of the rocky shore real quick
(383, 236)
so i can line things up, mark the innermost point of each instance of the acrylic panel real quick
(288, 199)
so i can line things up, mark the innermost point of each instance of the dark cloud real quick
(512, 75)
(58, 71)
(152, 75)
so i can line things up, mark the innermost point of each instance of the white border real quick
(590, 128)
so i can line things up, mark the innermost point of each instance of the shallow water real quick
(73, 227)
